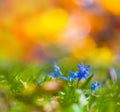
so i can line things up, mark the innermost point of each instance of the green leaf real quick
(87, 82)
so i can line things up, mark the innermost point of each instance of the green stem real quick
(77, 84)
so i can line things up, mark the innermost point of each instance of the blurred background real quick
(43, 30)
(38, 32)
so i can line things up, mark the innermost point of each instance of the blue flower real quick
(72, 76)
(57, 68)
(57, 72)
(82, 73)
(54, 74)
(95, 86)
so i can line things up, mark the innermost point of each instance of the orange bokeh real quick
(112, 5)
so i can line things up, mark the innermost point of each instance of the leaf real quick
(87, 82)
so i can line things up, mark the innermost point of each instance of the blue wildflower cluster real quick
(82, 73)
(57, 72)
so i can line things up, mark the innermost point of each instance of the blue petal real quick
(71, 73)
(76, 74)
(81, 66)
(87, 67)
(55, 75)
(95, 86)
(87, 73)
(57, 68)
(70, 78)
(84, 77)
(83, 72)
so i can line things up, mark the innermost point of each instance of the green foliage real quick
(23, 89)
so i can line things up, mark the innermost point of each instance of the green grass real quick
(26, 88)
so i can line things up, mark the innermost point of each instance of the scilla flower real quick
(57, 73)
(82, 73)
(57, 68)
(72, 76)
(95, 86)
